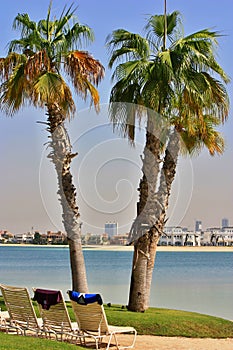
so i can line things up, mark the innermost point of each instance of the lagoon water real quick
(192, 281)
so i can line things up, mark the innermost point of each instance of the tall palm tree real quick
(34, 72)
(180, 91)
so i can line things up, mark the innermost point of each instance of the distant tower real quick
(225, 222)
(198, 226)
(111, 228)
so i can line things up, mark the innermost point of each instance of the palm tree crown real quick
(32, 71)
(176, 81)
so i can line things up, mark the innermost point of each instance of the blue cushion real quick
(84, 299)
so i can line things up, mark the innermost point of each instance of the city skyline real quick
(110, 225)
(203, 189)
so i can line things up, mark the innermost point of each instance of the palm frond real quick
(131, 70)
(8, 64)
(14, 91)
(202, 135)
(124, 45)
(24, 23)
(79, 35)
(51, 88)
(84, 71)
(125, 117)
(36, 64)
(64, 18)
(155, 29)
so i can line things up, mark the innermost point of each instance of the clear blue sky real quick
(204, 187)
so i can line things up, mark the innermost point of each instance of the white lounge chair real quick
(4, 317)
(22, 316)
(92, 320)
(55, 316)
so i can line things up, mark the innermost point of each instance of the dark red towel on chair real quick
(46, 298)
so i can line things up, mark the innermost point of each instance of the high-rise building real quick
(225, 222)
(198, 226)
(111, 228)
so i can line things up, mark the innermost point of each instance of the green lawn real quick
(13, 342)
(155, 321)
(166, 322)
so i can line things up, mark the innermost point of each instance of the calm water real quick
(193, 281)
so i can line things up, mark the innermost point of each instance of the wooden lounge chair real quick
(92, 321)
(22, 317)
(55, 316)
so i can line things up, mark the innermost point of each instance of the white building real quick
(228, 235)
(178, 236)
(23, 237)
(220, 237)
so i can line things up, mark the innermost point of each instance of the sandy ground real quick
(145, 342)
(162, 248)
(130, 248)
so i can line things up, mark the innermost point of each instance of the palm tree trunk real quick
(142, 270)
(62, 156)
(148, 183)
(145, 217)
(152, 248)
(146, 245)
(167, 177)
(168, 171)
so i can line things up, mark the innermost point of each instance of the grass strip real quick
(172, 323)
(14, 342)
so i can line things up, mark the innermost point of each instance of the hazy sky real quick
(107, 170)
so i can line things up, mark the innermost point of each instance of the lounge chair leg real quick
(109, 342)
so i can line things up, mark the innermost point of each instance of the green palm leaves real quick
(183, 81)
(32, 73)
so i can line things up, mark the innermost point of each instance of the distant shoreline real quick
(164, 248)
(130, 248)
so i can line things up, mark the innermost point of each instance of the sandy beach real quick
(163, 248)
(130, 248)
(145, 342)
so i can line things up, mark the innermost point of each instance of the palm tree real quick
(176, 90)
(34, 72)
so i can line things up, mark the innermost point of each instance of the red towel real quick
(46, 298)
